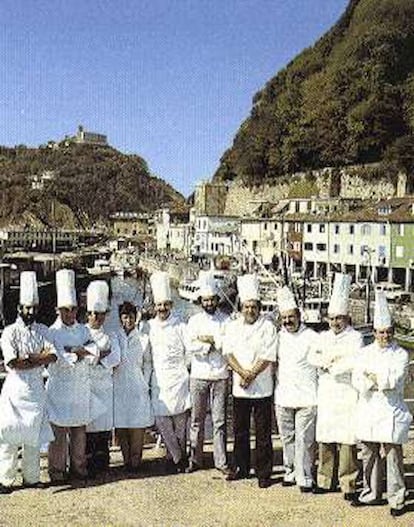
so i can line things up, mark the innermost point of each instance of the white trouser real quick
(8, 464)
(173, 429)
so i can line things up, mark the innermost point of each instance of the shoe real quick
(237, 474)
(181, 466)
(192, 467)
(5, 489)
(264, 483)
(37, 485)
(288, 483)
(225, 470)
(319, 490)
(306, 490)
(397, 512)
(350, 496)
(372, 503)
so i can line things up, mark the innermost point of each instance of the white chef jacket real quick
(132, 402)
(170, 391)
(382, 414)
(249, 343)
(296, 378)
(336, 356)
(69, 396)
(23, 418)
(207, 362)
(102, 380)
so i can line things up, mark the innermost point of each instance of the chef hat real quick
(339, 302)
(65, 288)
(29, 295)
(382, 315)
(97, 295)
(160, 285)
(207, 283)
(286, 299)
(248, 287)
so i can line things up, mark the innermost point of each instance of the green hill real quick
(89, 183)
(349, 99)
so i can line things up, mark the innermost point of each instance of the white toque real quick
(286, 299)
(65, 288)
(248, 287)
(29, 295)
(160, 285)
(339, 302)
(97, 296)
(382, 315)
(207, 283)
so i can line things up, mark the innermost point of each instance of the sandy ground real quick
(203, 498)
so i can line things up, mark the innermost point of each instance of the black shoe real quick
(37, 485)
(192, 467)
(237, 474)
(225, 470)
(182, 466)
(372, 503)
(264, 483)
(350, 496)
(5, 489)
(288, 483)
(306, 490)
(320, 490)
(397, 512)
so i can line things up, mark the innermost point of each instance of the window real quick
(322, 227)
(336, 248)
(275, 226)
(401, 229)
(383, 229)
(309, 227)
(365, 229)
(399, 251)
(336, 229)
(321, 246)
(308, 246)
(265, 226)
(351, 230)
(350, 249)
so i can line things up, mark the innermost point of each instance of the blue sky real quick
(170, 80)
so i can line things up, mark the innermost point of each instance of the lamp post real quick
(367, 252)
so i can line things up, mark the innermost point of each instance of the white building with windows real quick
(215, 235)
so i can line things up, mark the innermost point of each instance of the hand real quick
(206, 339)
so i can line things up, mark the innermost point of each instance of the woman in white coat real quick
(383, 419)
(132, 403)
(98, 431)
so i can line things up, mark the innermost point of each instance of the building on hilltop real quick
(90, 138)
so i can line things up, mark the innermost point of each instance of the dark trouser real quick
(262, 413)
(97, 450)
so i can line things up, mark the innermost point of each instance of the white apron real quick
(337, 397)
(102, 380)
(132, 403)
(69, 397)
(170, 391)
(23, 418)
(382, 414)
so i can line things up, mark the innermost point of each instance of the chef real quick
(336, 354)
(71, 405)
(296, 394)
(250, 346)
(383, 419)
(23, 420)
(209, 375)
(132, 402)
(98, 431)
(170, 381)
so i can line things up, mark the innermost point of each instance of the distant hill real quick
(349, 99)
(87, 184)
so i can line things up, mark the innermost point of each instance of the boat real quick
(315, 310)
(100, 267)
